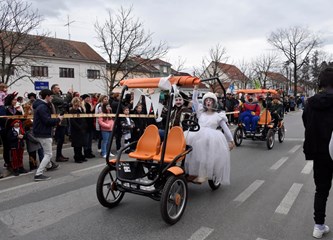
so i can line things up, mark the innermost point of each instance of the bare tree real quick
(123, 37)
(17, 21)
(296, 43)
(180, 64)
(262, 65)
(210, 66)
(247, 69)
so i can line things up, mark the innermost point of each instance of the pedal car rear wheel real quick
(214, 183)
(270, 139)
(106, 189)
(281, 133)
(173, 199)
(238, 136)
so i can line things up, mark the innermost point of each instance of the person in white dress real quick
(210, 157)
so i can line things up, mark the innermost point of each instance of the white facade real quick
(80, 83)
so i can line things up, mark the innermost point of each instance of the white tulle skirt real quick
(210, 156)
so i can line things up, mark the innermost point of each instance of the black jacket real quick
(43, 123)
(318, 122)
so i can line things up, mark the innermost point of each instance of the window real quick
(93, 74)
(165, 69)
(39, 71)
(66, 72)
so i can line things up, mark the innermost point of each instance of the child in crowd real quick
(15, 139)
(106, 126)
(127, 126)
(3, 95)
(33, 146)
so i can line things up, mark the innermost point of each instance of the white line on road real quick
(249, 191)
(33, 216)
(89, 168)
(260, 239)
(10, 177)
(201, 234)
(17, 187)
(279, 163)
(289, 199)
(308, 167)
(294, 149)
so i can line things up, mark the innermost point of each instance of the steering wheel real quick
(191, 125)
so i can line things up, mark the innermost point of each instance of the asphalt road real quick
(270, 198)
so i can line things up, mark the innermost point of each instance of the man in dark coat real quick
(317, 118)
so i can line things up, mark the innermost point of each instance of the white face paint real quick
(209, 103)
(179, 101)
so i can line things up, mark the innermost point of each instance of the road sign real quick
(39, 85)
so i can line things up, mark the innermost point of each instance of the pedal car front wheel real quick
(270, 139)
(173, 199)
(281, 133)
(106, 189)
(238, 136)
(214, 183)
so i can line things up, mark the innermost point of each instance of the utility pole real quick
(68, 24)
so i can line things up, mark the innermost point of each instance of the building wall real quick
(79, 83)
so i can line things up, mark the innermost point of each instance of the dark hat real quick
(32, 95)
(10, 98)
(84, 96)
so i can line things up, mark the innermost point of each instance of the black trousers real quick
(60, 138)
(322, 173)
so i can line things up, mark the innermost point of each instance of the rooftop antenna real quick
(67, 24)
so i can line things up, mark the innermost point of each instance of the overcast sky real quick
(192, 27)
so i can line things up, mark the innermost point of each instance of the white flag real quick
(137, 96)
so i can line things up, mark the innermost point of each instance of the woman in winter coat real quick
(78, 131)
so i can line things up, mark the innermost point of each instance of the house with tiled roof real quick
(230, 76)
(276, 80)
(71, 64)
(138, 67)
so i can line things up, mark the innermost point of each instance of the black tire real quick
(106, 189)
(238, 136)
(270, 139)
(214, 184)
(281, 133)
(173, 199)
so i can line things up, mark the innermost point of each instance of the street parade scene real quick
(115, 139)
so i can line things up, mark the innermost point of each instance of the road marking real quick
(279, 163)
(249, 191)
(289, 199)
(294, 139)
(37, 215)
(308, 167)
(88, 168)
(201, 234)
(10, 177)
(260, 239)
(294, 149)
(18, 187)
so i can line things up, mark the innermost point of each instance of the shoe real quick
(66, 158)
(99, 150)
(320, 230)
(41, 178)
(16, 172)
(90, 155)
(111, 154)
(22, 170)
(84, 160)
(1, 176)
(54, 166)
(78, 161)
(61, 159)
